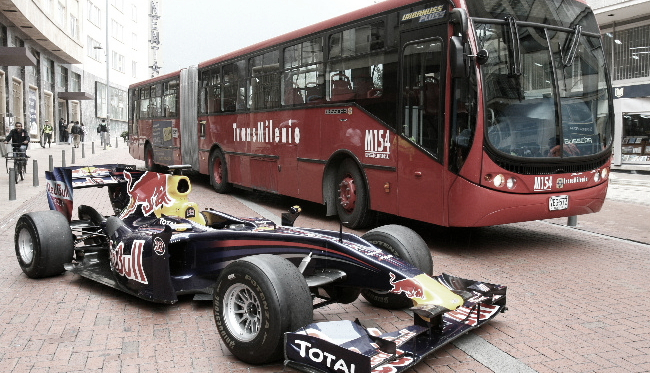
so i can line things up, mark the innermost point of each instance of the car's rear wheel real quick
(44, 243)
(405, 244)
(256, 300)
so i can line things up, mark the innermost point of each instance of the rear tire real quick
(219, 172)
(44, 243)
(256, 300)
(149, 163)
(405, 244)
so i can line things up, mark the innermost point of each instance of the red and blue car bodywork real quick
(159, 245)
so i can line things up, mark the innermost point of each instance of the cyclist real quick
(19, 140)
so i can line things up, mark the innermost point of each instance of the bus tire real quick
(219, 172)
(149, 163)
(256, 300)
(352, 196)
(44, 243)
(405, 244)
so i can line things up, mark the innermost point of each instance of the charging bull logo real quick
(149, 192)
(410, 287)
(129, 265)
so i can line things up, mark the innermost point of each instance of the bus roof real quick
(318, 27)
(176, 73)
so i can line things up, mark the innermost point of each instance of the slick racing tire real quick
(219, 172)
(256, 300)
(44, 243)
(405, 244)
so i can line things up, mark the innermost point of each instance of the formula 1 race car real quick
(264, 279)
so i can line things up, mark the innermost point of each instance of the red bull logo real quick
(129, 266)
(408, 286)
(149, 192)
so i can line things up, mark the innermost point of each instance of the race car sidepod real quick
(348, 347)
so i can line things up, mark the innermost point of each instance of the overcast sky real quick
(193, 31)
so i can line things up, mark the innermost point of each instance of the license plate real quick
(556, 203)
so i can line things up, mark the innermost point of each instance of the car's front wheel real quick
(256, 300)
(405, 244)
(44, 243)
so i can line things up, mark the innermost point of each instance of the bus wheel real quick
(405, 244)
(148, 158)
(219, 172)
(352, 196)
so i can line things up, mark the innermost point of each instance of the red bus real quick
(457, 113)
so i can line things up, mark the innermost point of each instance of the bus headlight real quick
(511, 183)
(597, 177)
(604, 173)
(499, 180)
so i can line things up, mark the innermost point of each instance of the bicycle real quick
(19, 156)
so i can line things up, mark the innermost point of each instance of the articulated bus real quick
(452, 112)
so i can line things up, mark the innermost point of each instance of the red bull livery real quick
(264, 279)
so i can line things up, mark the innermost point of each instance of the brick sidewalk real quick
(576, 302)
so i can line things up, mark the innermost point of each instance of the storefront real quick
(632, 125)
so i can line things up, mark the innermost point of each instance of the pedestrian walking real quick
(76, 133)
(103, 133)
(83, 132)
(62, 131)
(47, 133)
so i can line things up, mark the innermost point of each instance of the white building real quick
(53, 60)
(625, 29)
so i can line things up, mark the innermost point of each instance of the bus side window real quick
(302, 76)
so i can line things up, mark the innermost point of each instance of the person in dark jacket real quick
(19, 138)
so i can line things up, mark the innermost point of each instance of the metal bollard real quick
(12, 184)
(572, 221)
(117, 142)
(62, 158)
(83, 150)
(104, 145)
(73, 160)
(93, 147)
(35, 172)
(51, 163)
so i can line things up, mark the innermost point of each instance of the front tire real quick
(44, 243)
(405, 244)
(353, 202)
(219, 172)
(256, 300)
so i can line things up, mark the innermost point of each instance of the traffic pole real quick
(12, 184)
(35, 172)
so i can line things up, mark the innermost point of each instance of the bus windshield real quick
(538, 79)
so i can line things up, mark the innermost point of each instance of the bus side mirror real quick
(458, 17)
(456, 57)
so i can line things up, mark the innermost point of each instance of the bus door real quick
(420, 168)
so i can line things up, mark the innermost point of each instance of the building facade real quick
(58, 56)
(625, 29)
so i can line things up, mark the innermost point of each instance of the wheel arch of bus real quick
(329, 178)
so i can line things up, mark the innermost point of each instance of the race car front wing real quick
(348, 347)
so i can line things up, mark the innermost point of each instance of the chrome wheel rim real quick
(25, 246)
(242, 312)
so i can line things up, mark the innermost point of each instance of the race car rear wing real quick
(61, 182)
